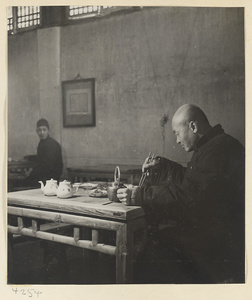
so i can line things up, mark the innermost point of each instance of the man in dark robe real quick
(49, 158)
(206, 199)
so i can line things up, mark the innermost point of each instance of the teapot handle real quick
(117, 175)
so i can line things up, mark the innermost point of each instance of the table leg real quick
(122, 256)
(10, 258)
(127, 249)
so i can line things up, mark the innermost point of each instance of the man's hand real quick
(125, 195)
(150, 164)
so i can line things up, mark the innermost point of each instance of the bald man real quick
(206, 199)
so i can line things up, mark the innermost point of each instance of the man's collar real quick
(216, 130)
(45, 138)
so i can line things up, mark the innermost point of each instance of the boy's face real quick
(42, 132)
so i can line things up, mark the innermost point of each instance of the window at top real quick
(10, 19)
(28, 16)
(79, 12)
(23, 17)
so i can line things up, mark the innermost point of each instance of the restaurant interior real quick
(137, 65)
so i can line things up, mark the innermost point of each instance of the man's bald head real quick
(189, 112)
(189, 124)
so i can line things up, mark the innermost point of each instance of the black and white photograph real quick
(125, 147)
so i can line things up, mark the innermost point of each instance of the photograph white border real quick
(83, 292)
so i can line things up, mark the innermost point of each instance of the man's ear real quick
(193, 126)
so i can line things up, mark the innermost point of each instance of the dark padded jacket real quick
(49, 160)
(207, 198)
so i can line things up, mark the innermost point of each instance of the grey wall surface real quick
(23, 94)
(146, 64)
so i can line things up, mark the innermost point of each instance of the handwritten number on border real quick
(26, 292)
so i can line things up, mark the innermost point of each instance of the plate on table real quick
(99, 193)
(88, 185)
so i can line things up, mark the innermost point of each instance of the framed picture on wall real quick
(78, 102)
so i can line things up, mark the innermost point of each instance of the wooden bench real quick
(129, 173)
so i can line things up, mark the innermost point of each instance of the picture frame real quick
(78, 102)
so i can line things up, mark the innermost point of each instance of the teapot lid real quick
(65, 182)
(51, 180)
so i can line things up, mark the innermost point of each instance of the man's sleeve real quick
(166, 170)
(208, 173)
(166, 194)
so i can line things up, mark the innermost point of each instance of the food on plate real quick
(89, 185)
(86, 185)
(99, 193)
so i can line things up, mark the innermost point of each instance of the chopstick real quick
(144, 173)
(106, 203)
(151, 157)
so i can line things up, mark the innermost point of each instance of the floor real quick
(41, 262)
(29, 263)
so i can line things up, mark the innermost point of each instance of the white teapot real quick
(50, 188)
(66, 190)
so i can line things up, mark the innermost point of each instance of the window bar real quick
(24, 18)
(15, 19)
(35, 20)
(20, 13)
(27, 16)
(38, 15)
(30, 18)
(21, 18)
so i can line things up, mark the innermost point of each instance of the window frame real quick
(102, 12)
(47, 16)
(15, 22)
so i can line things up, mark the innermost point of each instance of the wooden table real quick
(17, 169)
(128, 223)
(17, 172)
(129, 173)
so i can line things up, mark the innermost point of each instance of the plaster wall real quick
(146, 64)
(23, 94)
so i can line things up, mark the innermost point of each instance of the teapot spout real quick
(42, 185)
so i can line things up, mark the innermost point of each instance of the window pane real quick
(10, 18)
(78, 12)
(28, 16)
(9, 11)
